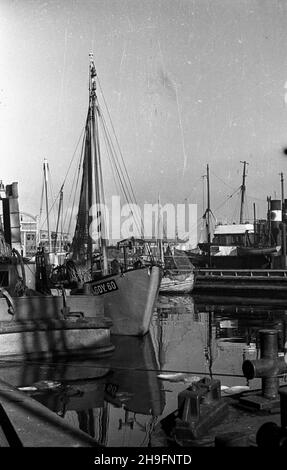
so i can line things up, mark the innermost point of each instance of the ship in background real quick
(260, 244)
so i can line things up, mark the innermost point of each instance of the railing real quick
(243, 273)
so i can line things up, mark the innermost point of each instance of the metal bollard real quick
(199, 408)
(268, 368)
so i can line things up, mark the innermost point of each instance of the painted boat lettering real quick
(105, 287)
(111, 389)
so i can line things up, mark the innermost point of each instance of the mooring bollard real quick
(268, 367)
(199, 408)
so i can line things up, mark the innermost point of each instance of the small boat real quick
(44, 326)
(177, 283)
(179, 275)
(252, 250)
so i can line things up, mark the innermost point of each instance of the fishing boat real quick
(129, 294)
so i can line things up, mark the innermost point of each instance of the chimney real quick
(11, 217)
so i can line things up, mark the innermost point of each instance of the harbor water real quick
(121, 398)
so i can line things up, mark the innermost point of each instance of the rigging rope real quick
(222, 181)
(229, 197)
(75, 185)
(116, 139)
(122, 180)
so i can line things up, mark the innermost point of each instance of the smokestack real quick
(11, 216)
(276, 219)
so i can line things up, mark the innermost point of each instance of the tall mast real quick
(208, 215)
(243, 189)
(58, 220)
(96, 196)
(46, 169)
(160, 232)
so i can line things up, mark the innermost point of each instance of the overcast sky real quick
(187, 82)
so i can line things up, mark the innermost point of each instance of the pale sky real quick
(187, 82)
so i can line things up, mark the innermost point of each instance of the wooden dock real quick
(262, 282)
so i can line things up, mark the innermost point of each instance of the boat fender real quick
(9, 300)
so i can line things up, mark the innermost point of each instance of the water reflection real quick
(202, 336)
(119, 399)
(116, 400)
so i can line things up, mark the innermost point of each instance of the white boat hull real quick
(130, 306)
(177, 283)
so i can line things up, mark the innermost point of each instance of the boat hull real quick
(33, 339)
(50, 307)
(177, 284)
(135, 369)
(131, 304)
(248, 251)
(40, 326)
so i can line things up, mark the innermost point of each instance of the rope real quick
(74, 191)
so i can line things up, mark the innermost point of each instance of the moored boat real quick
(129, 299)
(253, 251)
(129, 295)
(40, 326)
(177, 283)
(179, 274)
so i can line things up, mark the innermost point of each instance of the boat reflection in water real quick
(241, 322)
(200, 336)
(116, 400)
